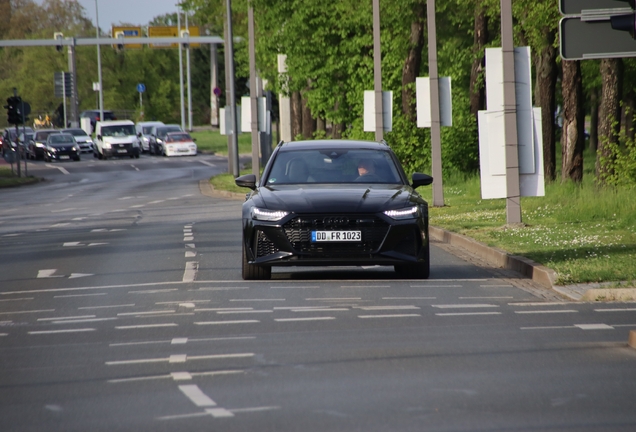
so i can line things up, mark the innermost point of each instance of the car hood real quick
(336, 198)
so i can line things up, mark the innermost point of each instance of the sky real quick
(139, 12)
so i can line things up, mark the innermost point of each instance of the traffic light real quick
(58, 37)
(14, 115)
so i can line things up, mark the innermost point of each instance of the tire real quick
(137, 156)
(254, 272)
(421, 270)
(77, 159)
(94, 154)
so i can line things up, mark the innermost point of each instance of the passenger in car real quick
(366, 171)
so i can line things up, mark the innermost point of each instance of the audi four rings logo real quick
(335, 221)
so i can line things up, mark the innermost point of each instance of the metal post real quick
(214, 100)
(181, 71)
(64, 98)
(228, 111)
(26, 170)
(377, 72)
(72, 67)
(99, 66)
(513, 194)
(253, 93)
(189, 75)
(436, 126)
(229, 46)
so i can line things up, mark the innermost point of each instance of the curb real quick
(208, 190)
(533, 270)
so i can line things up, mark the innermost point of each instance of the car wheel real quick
(137, 156)
(77, 159)
(254, 272)
(421, 270)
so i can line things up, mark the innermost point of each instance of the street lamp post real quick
(99, 66)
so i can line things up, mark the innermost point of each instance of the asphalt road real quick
(122, 309)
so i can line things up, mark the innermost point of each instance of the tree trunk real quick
(477, 88)
(413, 61)
(308, 122)
(628, 113)
(321, 126)
(546, 97)
(572, 137)
(296, 115)
(609, 116)
(593, 120)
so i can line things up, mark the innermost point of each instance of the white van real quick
(144, 130)
(116, 138)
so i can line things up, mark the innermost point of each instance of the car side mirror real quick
(247, 180)
(139, 135)
(99, 137)
(420, 179)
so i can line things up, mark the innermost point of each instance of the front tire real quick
(254, 272)
(421, 270)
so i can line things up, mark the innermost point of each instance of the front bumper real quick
(121, 150)
(384, 241)
(63, 155)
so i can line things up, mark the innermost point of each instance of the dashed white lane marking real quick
(134, 327)
(298, 307)
(48, 273)
(66, 318)
(468, 313)
(295, 287)
(17, 299)
(180, 358)
(194, 393)
(547, 311)
(409, 298)
(210, 164)
(190, 254)
(256, 300)
(59, 225)
(329, 309)
(371, 308)
(436, 286)
(579, 326)
(304, 319)
(219, 412)
(182, 301)
(62, 170)
(157, 202)
(80, 295)
(189, 238)
(84, 320)
(4, 334)
(137, 206)
(27, 312)
(332, 298)
(243, 312)
(220, 289)
(226, 322)
(65, 210)
(365, 286)
(156, 291)
(495, 286)
(155, 312)
(181, 341)
(540, 303)
(460, 306)
(177, 376)
(190, 272)
(79, 275)
(62, 331)
(390, 316)
(106, 307)
(486, 298)
(12, 235)
(615, 310)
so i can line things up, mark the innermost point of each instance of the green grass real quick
(210, 141)
(8, 179)
(584, 233)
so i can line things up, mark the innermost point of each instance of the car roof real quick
(337, 143)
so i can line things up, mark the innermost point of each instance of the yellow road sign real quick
(171, 31)
(128, 32)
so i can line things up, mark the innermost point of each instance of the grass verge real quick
(8, 179)
(210, 141)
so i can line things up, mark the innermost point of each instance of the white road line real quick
(190, 272)
(177, 358)
(461, 306)
(157, 291)
(254, 409)
(304, 319)
(219, 412)
(64, 210)
(17, 299)
(370, 308)
(468, 313)
(181, 376)
(223, 309)
(62, 331)
(486, 298)
(409, 298)
(226, 322)
(615, 310)
(322, 310)
(594, 326)
(27, 312)
(4, 334)
(206, 163)
(495, 286)
(62, 170)
(107, 307)
(295, 287)
(65, 318)
(365, 286)
(48, 273)
(390, 316)
(157, 202)
(436, 286)
(182, 301)
(243, 312)
(298, 307)
(156, 312)
(84, 320)
(190, 254)
(181, 341)
(332, 298)
(256, 300)
(79, 295)
(189, 238)
(72, 244)
(59, 225)
(221, 289)
(176, 376)
(194, 393)
(146, 326)
(547, 311)
(190, 245)
(547, 328)
(540, 303)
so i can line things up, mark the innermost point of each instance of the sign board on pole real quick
(369, 110)
(172, 31)
(141, 88)
(128, 32)
(576, 7)
(423, 101)
(581, 40)
(63, 84)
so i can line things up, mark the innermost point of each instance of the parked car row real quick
(158, 138)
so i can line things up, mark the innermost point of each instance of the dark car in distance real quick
(61, 146)
(156, 143)
(36, 147)
(334, 203)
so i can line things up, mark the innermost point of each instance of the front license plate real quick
(64, 157)
(122, 151)
(336, 236)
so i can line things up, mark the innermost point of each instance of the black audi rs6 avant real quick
(334, 203)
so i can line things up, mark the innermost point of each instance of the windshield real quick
(118, 131)
(61, 139)
(76, 132)
(176, 137)
(147, 130)
(164, 130)
(42, 136)
(333, 166)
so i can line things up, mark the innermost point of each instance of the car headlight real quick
(51, 149)
(268, 215)
(407, 213)
(40, 145)
(159, 141)
(76, 148)
(89, 141)
(106, 145)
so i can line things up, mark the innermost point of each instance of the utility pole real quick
(181, 70)
(189, 75)
(99, 66)
(229, 49)
(436, 125)
(377, 73)
(253, 93)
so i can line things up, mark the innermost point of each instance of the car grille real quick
(373, 229)
(264, 246)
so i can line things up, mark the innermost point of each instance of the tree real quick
(572, 136)
(609, 117)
